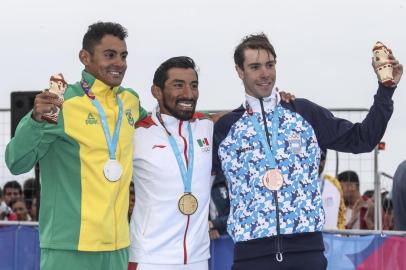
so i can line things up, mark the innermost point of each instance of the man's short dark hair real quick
(348, 176)
(369, 193)
(13, 184)
(98, 30)
(161, 74)
(254, 42)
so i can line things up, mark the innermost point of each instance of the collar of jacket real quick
(269, 102)
(98, 87)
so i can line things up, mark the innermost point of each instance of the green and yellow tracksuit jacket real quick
(80, 209)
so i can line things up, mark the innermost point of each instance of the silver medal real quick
(112, 170)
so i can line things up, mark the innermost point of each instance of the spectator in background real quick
(332, 196)
(398, 197)
(12, 191)
(357, 205)
(350, 183)
(219, 208)
(34, 209)
(368, 222)
(367, 211)
(5, 211)
(388, 217)
(3, 206)
(30, 192)
(29, 188)
(20, 209)
(369, 193)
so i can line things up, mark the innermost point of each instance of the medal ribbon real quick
(270, 156)
(270, 153)
(111, 142)
(186, 173)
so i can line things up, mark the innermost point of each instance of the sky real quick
(323, 48)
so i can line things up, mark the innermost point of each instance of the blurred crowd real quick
(18, 203)
(347, 208)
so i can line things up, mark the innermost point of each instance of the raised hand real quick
(45, 102)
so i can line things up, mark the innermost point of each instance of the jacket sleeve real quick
(345, 136)
(28, 145)
(221, 129)
(216, 164)
(142, 113)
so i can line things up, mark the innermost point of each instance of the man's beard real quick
(181, 115)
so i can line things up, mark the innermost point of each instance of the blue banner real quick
(19, 250)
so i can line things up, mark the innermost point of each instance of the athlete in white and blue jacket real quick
(278, 226)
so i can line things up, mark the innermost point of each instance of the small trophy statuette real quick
(57, 85)
(383, 68)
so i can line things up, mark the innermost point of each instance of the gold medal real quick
(187, 204)
(273, 179)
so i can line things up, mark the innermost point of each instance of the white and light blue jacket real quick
(304, 128)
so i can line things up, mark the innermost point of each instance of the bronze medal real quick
(273, 179)
(187, 204)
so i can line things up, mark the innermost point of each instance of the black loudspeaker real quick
(21, 103)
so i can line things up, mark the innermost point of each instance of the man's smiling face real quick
(107, 62)
(180, 93)
(258, 73)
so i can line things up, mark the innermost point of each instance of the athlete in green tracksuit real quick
(84, 176)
